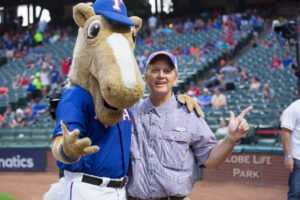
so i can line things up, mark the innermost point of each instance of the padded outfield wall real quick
(247, 164)
(251, 164)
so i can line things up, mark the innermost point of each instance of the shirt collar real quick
(162, 109)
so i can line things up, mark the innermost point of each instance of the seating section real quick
(265, 115)
(10, 70)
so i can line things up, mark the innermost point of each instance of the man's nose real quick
(161, 74)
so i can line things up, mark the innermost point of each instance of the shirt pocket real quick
(173, 149)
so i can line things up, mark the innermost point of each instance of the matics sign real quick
(22, 159)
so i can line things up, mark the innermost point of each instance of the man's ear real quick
(176, 79)
(145, 76)
(138, 22)
(81, 13)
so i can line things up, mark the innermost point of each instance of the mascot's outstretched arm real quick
(68, 148)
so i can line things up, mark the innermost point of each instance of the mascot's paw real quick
(74, 147)
(191, 104)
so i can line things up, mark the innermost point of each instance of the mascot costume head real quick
(103, 62)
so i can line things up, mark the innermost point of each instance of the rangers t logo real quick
(116, 6)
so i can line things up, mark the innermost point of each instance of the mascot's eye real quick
(133, 36)
(94, 29)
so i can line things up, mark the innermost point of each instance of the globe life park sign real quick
(248, 160)
(256, 168)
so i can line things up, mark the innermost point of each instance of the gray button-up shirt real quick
(167, 143)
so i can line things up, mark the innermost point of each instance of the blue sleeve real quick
(73, 116)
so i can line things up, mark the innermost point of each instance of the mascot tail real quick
(54, 192)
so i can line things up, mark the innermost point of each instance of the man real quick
(290, 124)
(218, 100)
(205, 99)
(230, 75)
(168, 141)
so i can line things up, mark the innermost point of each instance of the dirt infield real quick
(31, 186)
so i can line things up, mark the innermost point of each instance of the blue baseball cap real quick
(171, 57)
(113, 10)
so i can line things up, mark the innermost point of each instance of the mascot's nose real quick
(125, 58)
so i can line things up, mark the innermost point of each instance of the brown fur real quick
(89, 67)
(95, 69)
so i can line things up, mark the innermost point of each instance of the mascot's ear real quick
(138, 22)
(81, 13)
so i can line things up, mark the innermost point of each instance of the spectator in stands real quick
(163, 39)
(38, 38)
(1, 120)
(223, 63)
(276, 63)
(208, 46)
(142, 59)
(230, 73)
(54, 75)
(213, 79)
(290, 124)
(222, 44)
(54, 38)
(30, 104)
(200, 58)
(266, 44)
(18, 121)
(194, 50)
(199, 25)
(149, 41)
(152, 23)
(178, 28)
(27, 43)
(193, 90)
(268, 92)
(9, 49)
(45, 78)
(31, 63)
(8, 116)
(30, 119)
(25, 81)
(218, 99)
(185, 50)
(231, 41)
(255, 84)
(222, 131)
(244, 74)
(17, 82)
(65, 66)
(37, 86)
(65, 37)
(3, 89)
(287, 61)
(188, 26)
(176, 51)
(39, 107)
(166, 30)
(204, 100)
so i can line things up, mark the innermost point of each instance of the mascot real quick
(91, 140)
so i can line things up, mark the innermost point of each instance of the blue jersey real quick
(76, 109)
